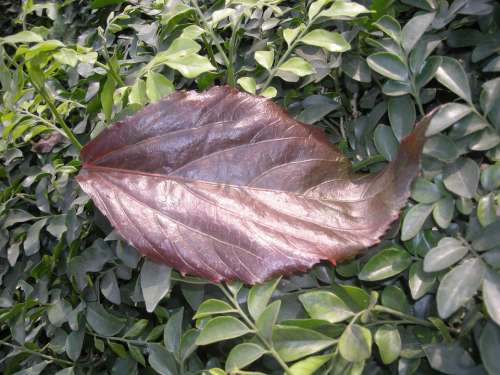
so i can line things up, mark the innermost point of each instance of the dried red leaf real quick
(226, 185)
(46, 144)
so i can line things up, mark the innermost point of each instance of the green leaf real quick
(213, 307)
(414, 220)
(96, 4)
(355, 344)
(66, 56)
(424, 191)
(385, 142)
(188, 343)
(442, 148)
(420, 282)
(259, 296)
(326, 306)
(161, 360)
(450, 358)
(462, 177)
(265, 58)
(491, 295)
(414, 29)
(137, 328)
(298, 66)
(242, 355)
(22, 37)
(356, 67)
(489, 343)
(344, 10)
(138, 93)
(452, 75)
(389, 65)
(74, 344)
(293, 343)
(221, 328)
(490, 177)
(32, 243)
(486, 210)
(315, 7)
(107, 92)
(290, 34)
(158, 86)
(173, 332)
(248, 84)
(331, 41)
(447, 115)
(267, 319)
(390, 26)
(155, 283)
(109, 287)
(458, 286)
(389, 343)
(269, 92)
(487, 238)
(190, 66)
(394, 298)
(443, 212)
(102, 322)
(387, 263)
(448, 252)
(402, 115)
(310, 365)
(490, 101)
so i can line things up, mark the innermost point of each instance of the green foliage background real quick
(76, 299)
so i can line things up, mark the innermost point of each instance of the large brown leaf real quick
(226, 185)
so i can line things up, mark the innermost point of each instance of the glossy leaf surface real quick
(226, 185)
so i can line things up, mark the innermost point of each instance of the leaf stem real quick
(367, 162)
(269, 346)
(287, 53)
(409, 318)
(209, 30)
(33, 352)
(67, 130)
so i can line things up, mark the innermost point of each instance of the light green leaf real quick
(414, 29)
(248, 84)
(267, 319)
(290, 34)
(158, 86)
(265, 58)
(107, 92)
(190, 66)
(355, 344)
(424, 191)
(443, 212)
(66, 56)
(458, 286)
(448, 252)
(298, 66)
(221, 328)
(452, 75)
(419, 281)
(390, 26)
(341, 9)
(447, 115)
(269, 92)
(387, 263)
(155, 283)
(414, 220)
(22, 37)
(310, 365)
(331, 41)
(242, 355)
(325, 306)
(389, 65)
(293, 343)
(462, 177)
(389, 343)
(259, 296)
(213, 307)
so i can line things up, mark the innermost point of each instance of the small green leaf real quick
(107, 92)
(22, 37)
(414, 220)
(458, 286)
(173, 332)
(310, 365)
(424, 191)
(221, 328)
(102, 322)
(248, 84)
(290, 34)
(190, 66)
(387, 263)
(298, 66)
(326, 306)
(462, 177)
(420, 282)
(259, 296)
(331, 41)
(344, 10)
(269, 92)
(155, 283)
(389, 65)
(161, 360)
(137, 328)
(402, 115)
(443, 212)
(452, 75)
(242, 355)
(293, 343)
(385, 142)
(267, 319)
(355, 344)
(66, 56)
(486, 210)
(389, 343)
(447, 115)
(158, 86)
(213, 307)
(491, 295)
(390, 26)
(414, 29)
(265, 58)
